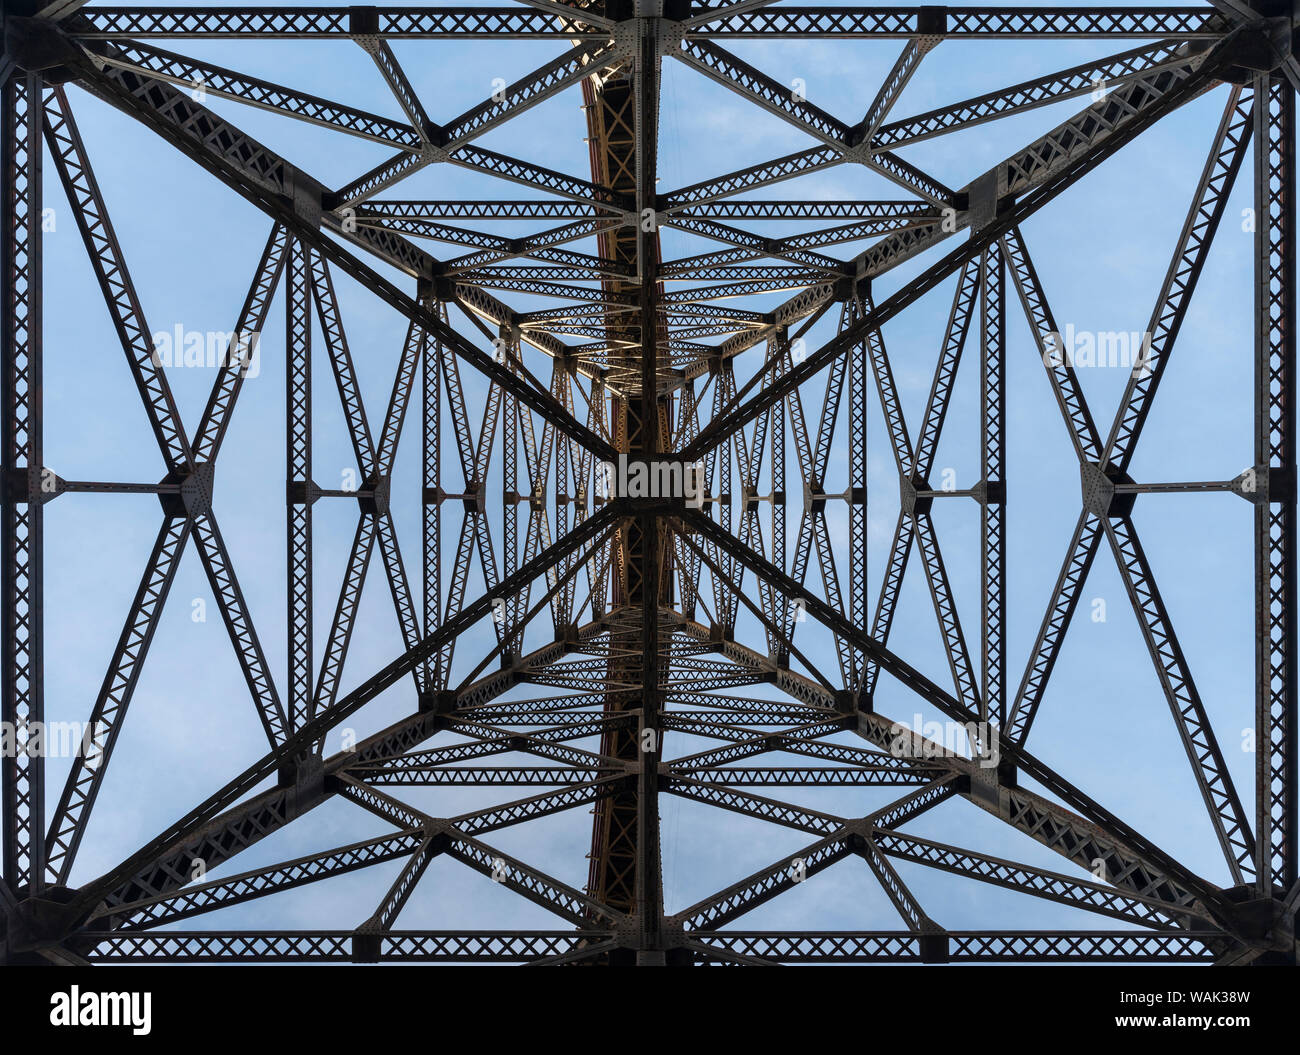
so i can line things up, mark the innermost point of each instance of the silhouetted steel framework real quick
(632, 372)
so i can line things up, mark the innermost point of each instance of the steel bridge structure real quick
(615, 612)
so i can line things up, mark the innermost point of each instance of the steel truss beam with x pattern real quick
(614, 674)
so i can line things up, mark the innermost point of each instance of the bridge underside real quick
(574, 643)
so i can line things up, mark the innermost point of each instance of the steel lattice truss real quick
(638, 599)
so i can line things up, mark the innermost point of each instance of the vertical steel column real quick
(1275, 450)
(509, 491)
(857, 371)
(435, 677)
(725, 601)
(21, 544)
(993, 543)
(780, 415)
(297, 322)
(649, 875)
(562, 389)
(600, 574)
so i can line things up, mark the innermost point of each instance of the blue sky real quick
(1101, 250)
